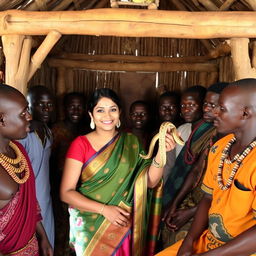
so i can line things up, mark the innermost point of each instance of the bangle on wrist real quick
(155, 163)
(102, 209)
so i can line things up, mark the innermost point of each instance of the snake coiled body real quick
(161, 136)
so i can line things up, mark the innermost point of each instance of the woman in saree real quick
(111, 190)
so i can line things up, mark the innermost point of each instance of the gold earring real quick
(118, 124)
(92, 124)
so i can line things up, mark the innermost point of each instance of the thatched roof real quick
(79, 48)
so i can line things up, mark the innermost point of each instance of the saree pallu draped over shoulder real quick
(116, 175)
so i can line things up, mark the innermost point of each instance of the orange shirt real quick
(233, 210)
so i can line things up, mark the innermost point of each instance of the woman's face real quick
(105, 114)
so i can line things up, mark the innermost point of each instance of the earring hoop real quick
(118, 124)
(92, 124)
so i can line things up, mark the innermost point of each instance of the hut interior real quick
(138, 62)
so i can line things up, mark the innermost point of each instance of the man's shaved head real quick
(248, 91)
(7, 92)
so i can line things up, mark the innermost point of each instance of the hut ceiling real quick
(153, 49)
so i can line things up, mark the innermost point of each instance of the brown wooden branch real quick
(21, 77)
(12, 46)
(143, 67)
(241, 59)
(131, 22)
(43, 51)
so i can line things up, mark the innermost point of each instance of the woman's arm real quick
(156, 173)
(68, 194)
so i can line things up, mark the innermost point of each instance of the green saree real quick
(115, 175)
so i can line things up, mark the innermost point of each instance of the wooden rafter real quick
(131, 22)
(143, 67)
(136, 59)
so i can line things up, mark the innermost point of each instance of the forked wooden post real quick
(241, 60)
(21, 77)
(12, 47)
(19, 68)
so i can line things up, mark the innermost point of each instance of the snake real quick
(161, 137)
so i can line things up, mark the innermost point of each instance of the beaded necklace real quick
(238, 159)
(8, 164)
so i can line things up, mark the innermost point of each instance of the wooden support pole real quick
(131, 23)
(241, 59)
(21, 77)
(43, 51)
(144, 67)
(12, 45)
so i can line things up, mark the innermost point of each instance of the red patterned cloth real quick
(19, 217)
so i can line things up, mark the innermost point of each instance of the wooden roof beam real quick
(134, 59)
(131, 23)
(133, 67)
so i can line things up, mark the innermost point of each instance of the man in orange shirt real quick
(225, 221)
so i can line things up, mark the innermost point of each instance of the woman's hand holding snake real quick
(167, 137)
(116, 215)
(169, 141)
